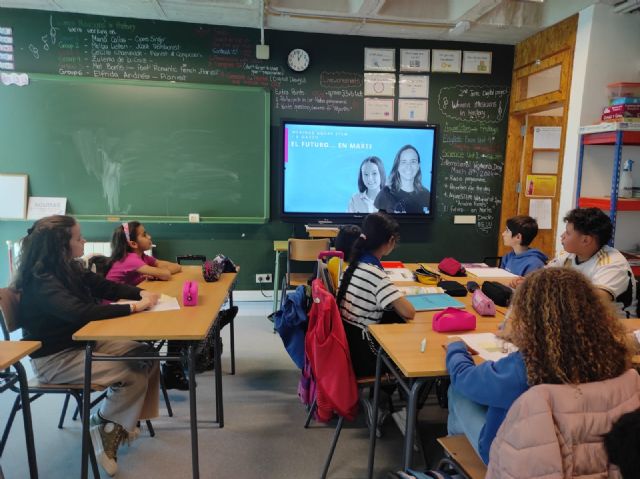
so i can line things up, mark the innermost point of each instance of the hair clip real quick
(125, 228)
(363, 236)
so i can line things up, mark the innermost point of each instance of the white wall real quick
(606, 52)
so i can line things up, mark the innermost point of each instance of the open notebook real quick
(433, 302)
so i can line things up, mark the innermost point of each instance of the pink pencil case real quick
(190, 293)
(453, 319)
(483, 305)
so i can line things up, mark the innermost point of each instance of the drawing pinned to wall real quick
(41, 206)
(446, 61)
(379, 84)
(476, 62)
(413, 86)
(415, 60)
(380, 59)
(412, 110)
(378, 109)
(13, 196)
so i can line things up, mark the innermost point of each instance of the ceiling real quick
(484, 21)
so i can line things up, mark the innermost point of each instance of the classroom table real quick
(399, 349)
(322, 231)
(11, 352)
(188, 324)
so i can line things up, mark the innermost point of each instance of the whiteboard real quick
(13, 196)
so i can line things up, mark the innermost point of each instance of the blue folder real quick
(433, 302)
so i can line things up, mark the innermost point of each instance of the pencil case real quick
(453, 319)
(190, 293)
(483, 305)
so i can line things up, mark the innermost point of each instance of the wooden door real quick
(541, 168)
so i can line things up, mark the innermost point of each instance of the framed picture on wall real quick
(379, 84)
(412, 60)
(378, 109)
(380, 59)
(476, 62)
(412, 110)
(446, 61)
(413, 86)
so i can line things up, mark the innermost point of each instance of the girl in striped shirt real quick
(367, 295)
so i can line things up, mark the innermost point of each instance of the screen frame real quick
(341, 218)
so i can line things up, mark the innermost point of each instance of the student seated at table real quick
(58, 297)
(518, 235)
(585, 246)
(130, 264)
(563, 337)
(367, 295)
(347, 235)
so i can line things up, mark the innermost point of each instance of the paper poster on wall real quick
(378, 109)
(412, 110)
(380, 59)
(13, 196)
(540, 185)
(547, 137)
(541, 211)
(41, 206)
(413, 86)
(446, 61)
(476, 62)
(412, 60)
(379, 84)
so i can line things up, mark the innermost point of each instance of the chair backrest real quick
(191, 257)
(306, 249)
(9, 301)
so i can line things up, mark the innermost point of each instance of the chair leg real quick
(336, 435)
(64, 411)
(7, 428)
(233, 347)
(165, 395)
(312, 409)
(152, 432)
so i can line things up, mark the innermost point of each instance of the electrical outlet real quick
(263, 278)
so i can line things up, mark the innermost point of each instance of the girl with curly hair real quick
(563, 336)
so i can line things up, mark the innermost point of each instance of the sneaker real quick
(106, 436)
(128, 437)
(400, 418)
(367, 405)
(174, 377)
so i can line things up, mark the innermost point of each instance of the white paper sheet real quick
(488, 345)
(165, 303)
(410, 290)
(541, 211)
(490, 273)
(400, 274)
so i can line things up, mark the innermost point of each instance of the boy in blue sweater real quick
(519, 233)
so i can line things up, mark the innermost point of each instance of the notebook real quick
(490, 273)
(433, 302)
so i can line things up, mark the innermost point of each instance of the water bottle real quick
(626, 181)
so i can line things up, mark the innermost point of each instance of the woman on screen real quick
(371, 178)
(404, 192)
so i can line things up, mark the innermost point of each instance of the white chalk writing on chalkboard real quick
(474, 103)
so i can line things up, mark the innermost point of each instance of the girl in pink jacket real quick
(564, 335)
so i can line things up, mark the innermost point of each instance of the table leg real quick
(276, 281)
(86, 411)
(374, 425)
(218, 377)
(193, 414)
(412, 412)
(26, 417)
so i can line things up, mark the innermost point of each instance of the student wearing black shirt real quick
(58, 297)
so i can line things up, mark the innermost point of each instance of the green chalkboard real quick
(155, 151)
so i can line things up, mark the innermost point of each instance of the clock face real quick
(298, 60)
